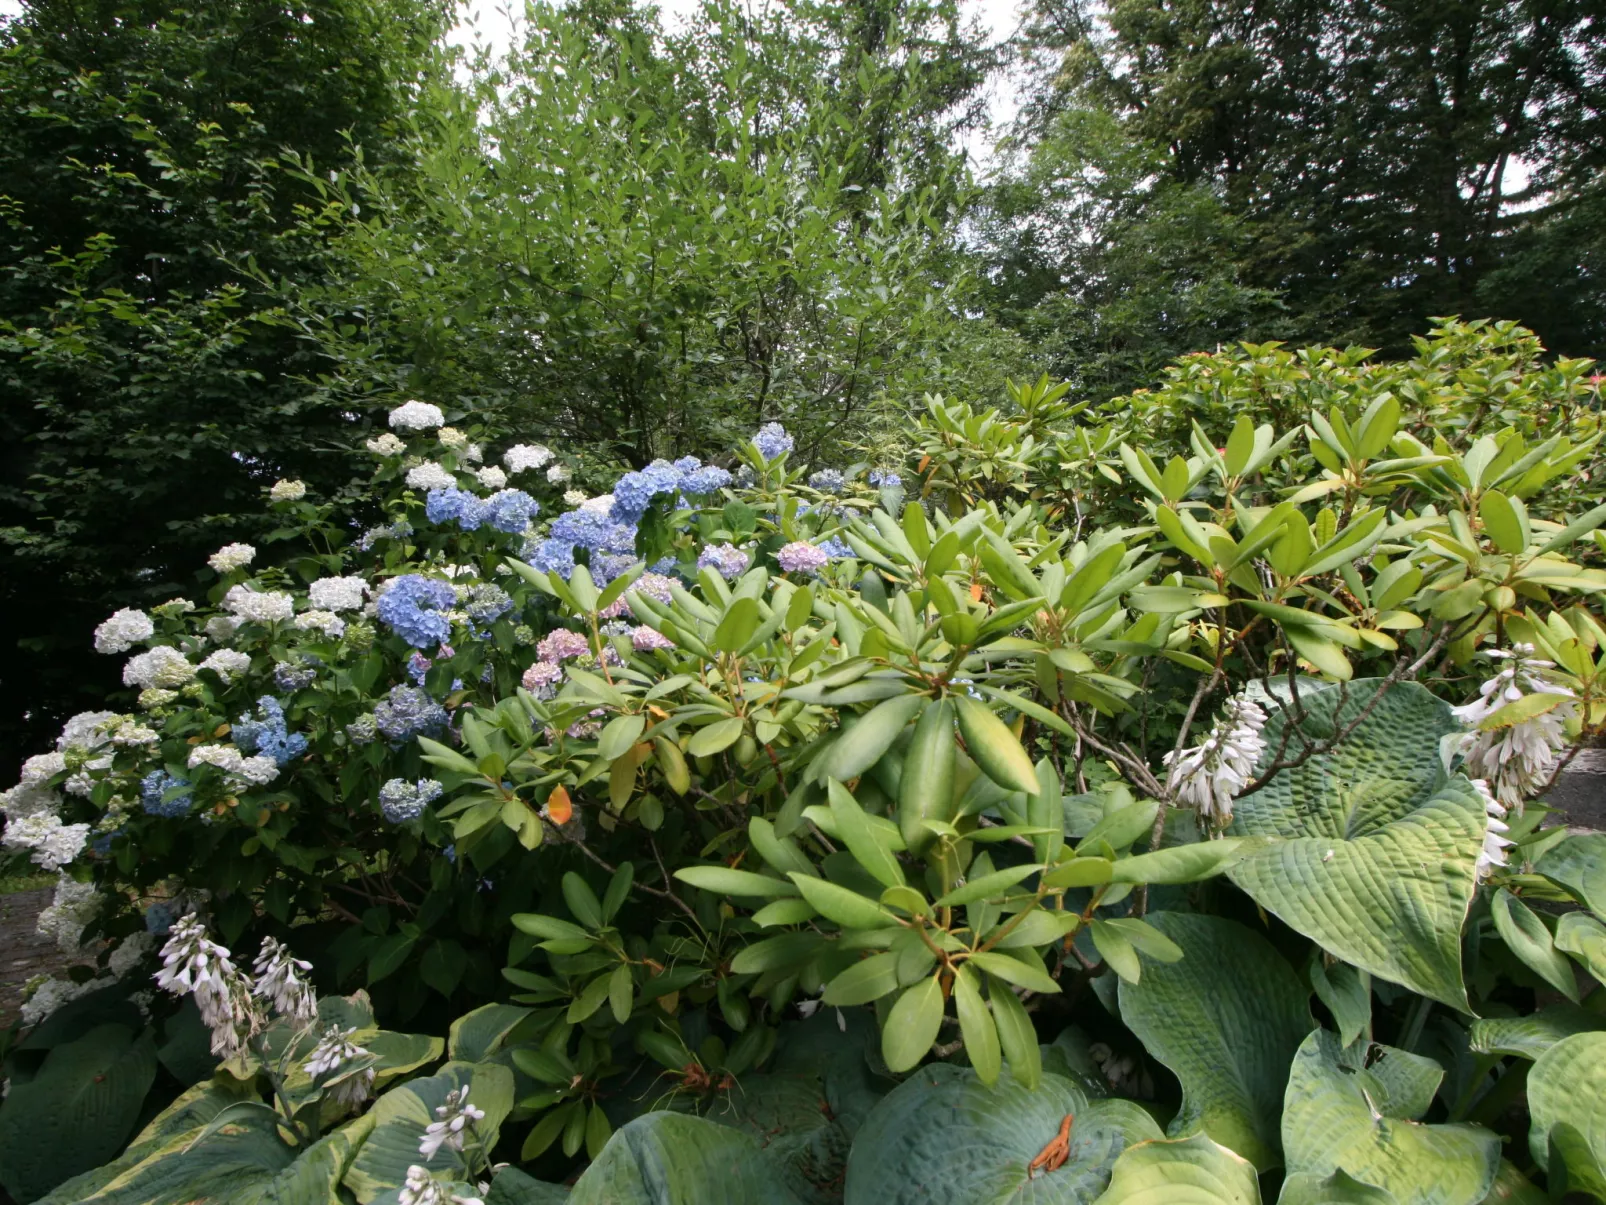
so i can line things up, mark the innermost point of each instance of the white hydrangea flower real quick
(1495, 842)
(130, 733)
(573, 497)
(1517, 760)
(337, 593)
(224, 757)
(72, 907)
(86, 730)
(386, 445)
(258, 770)
(129, 954)
(471, 454)
(327, 622)
(29, 799)
(333, 1051)
(422, 1188)
(220, 629)
(53, 843)
(520, 457)
(416, 416)
(288, 491)
(451, 438)
(123, 631)
(1210, 775)
(231, 557)
(259, 606)
(600, 505)
(430, 476)
(558, 474)
(279, 981)
(50, 995)
(491, 477)
(452, 1121)
(163, 667)
(227, 664)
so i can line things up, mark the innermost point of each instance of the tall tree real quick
(1381, 159)
(149, 389)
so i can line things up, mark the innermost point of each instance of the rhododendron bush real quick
(1102, 803)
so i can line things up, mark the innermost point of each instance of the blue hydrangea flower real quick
(827, 481)
(510, 510)
(269, 736)
(159, 918)
(153, 789)
(837, 548)
(486, 603)
(398, 530)
(728, 560)
(634, 492)
(705, 481)
(402, 801)
(772, 441)
(408, 712)
(887, 480)
(413, 608)
(290, 678)
(455, 505)
(550, 556)
(688, 464)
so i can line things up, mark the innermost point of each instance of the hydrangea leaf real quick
(1246, 1014)
(942, 1137)
(1378, 858)
(668, 1158)
(1187, 1171)
(1351, 1111)
(1529, 1036)
(1567, 1112)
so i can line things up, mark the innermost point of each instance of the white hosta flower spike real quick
(1518, 759)
(330, 1055)
(279, 981)
(450, 1130)
(421, 1188)
(1212, 774)
(1495, 842)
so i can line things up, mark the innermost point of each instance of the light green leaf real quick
(865, 981)
(1579, 865)
(1014, 971)
(943, 1137)
(1181, 863)
(1584, 937)
(1377, 862)
(862, 837)
(727, 881)
(672, 1159)
(719, 735)
(738, 625)
(1347, 1111)
(1340, 1188)
(1525, 936)
(862, 743)
(1567, 1112)
(1016, 1034)
(976, 1027)
(847, 908)
(926, 789)
(985, 886)
(1531, 1034)
(912, 1025)
(1187, 1171)
(1246, 1015)
(994, 747)
(622, 732)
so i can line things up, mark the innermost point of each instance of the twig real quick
(634, 885)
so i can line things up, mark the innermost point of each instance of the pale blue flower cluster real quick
(402, 801)
(772, 441)
(269, 736)
(827, 481)
(485, 604)
(414, 609)
(885, 479)
(705, 480)
(634, 492)
(598, 534)
(154, 798)
(408, 712)
(730, 561)
(505, 510)
(291, 678)
(398, 530)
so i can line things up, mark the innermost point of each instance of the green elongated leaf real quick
(621, 733)
(618, 888)
(1339, 1188)
(77, 1111)
(781, 853)
(1080, 872)
(1377, 855)
(976, 1027)
(1501, 523)
(786, 950)
(943, 1137)
(549, 928)
(582, 901)
(1247, 1014)
(863, 839)
(995, 883)
(1145, 938)
(1584, 937)
(1180, 863)
(912, 1025)
(1342, 1112)
(1016, 1034)
(1530, 1035)
(727, 881)
(865, 981)
(926, 788)
(1579, 864)
(993, 746)
(1116, 950)
(667, 1158)
(1346, 992)
(1122, 826)
(718, 736)
(737, 627)
(401, 1116)
(1187, 1171)
(860, 746)
(673, 764)
(1567, 1112)
(1586, 523)
(784, 912)
(847, 908)
(1525, 936)
(1013, 970)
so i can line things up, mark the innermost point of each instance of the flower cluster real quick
(729, 561)
(259, 606)
(1212, 774)
(386, 445)
(231, 557)
(827, 481)
(330, 1059)
(521, 457)
(72, 907)
(402, 801)
(288, 491)
(279, 982)
(123, 631)
(337, 594)
(257, 771)
(164, 794)
(634, 492)
(772, 441)
(227, 664)
(430, 476)
(408, 712)
(269, 735)
(53, 844)
(416, 416)
(454, 1120)
(422, 1188)
(1495, 841)
(164, 667)
(193, 964)
(1517, 759)
(542, 679)
(414, 608)
(801, 557)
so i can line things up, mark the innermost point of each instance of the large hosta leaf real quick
(1579, 865)
(513, 1187)
(1226, 1018)
(1377, 862)
(401, 1116)
(1567, 1112)
(1530, 1035)
(1353, 1110)
(672, 1159)
(945, 1138)
(1189, 1171)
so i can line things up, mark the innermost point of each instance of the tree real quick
(150, 392)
